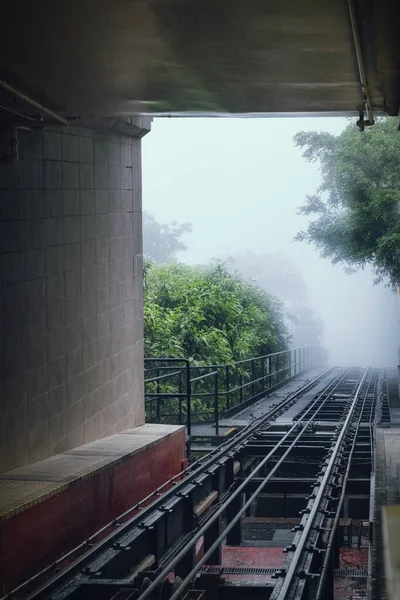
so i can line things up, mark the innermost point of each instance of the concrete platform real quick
(55, 504)
(387, 453)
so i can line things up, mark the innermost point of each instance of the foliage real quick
(209, 315)
(277, 275)
(162, 242)
(356, 206)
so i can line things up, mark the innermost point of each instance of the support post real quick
(188, 399)
(158, 397)
(227, 384)
(216, 404)
(234, 537)
(336, 548)
(210, 535)
(329, 588)
(180, 387)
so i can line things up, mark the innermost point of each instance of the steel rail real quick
(171, 564)
(186, 582)
(183, 478)
(341, 499)
(191, 473)
(291, 572)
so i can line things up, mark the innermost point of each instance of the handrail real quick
(201, 377)
(159, 377)
(233, 386)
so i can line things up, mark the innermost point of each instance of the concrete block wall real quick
(71, 328)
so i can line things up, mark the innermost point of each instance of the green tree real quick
(356, 206)
(162, 242)
(209, 315)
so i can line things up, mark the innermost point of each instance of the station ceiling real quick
(123, 57)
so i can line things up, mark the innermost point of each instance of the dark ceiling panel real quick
(102, 57)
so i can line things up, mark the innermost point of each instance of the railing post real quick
(188, 398)
(269, 371)
(180, 388)
(253, 388)
(158, 399)
(216, 403)
(263, 373)
(241, 388)
(228, 399)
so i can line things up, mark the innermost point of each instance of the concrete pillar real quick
(71, 330)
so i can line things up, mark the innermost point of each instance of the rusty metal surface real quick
(351, 580)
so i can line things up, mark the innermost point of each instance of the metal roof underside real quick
(96, 57)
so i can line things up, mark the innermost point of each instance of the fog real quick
(240, 182)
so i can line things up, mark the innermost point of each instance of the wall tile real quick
(69, 148)
(69, 246)
(70, 203)
(52, 175)
(86, 202)
(51, 145)
(70, 176)
(86, 150)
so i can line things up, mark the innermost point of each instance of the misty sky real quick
(240, 182)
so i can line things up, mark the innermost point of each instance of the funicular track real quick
(155, 554)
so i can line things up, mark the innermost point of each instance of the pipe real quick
(15, 112)
(37, 105)
(361, 67)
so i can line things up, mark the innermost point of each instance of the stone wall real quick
(71, 330)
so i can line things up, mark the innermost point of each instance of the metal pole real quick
(360, 64)
(37, 105)
(180, 397)
(263, 373)
(216, 406)
(269, 371)
(228, 400)
(188, 398)
(253, 389)
(158, 399)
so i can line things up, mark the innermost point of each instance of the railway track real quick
(173, 548)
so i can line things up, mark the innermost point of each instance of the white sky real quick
(240, 182)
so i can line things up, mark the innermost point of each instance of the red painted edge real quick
(36, 537)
